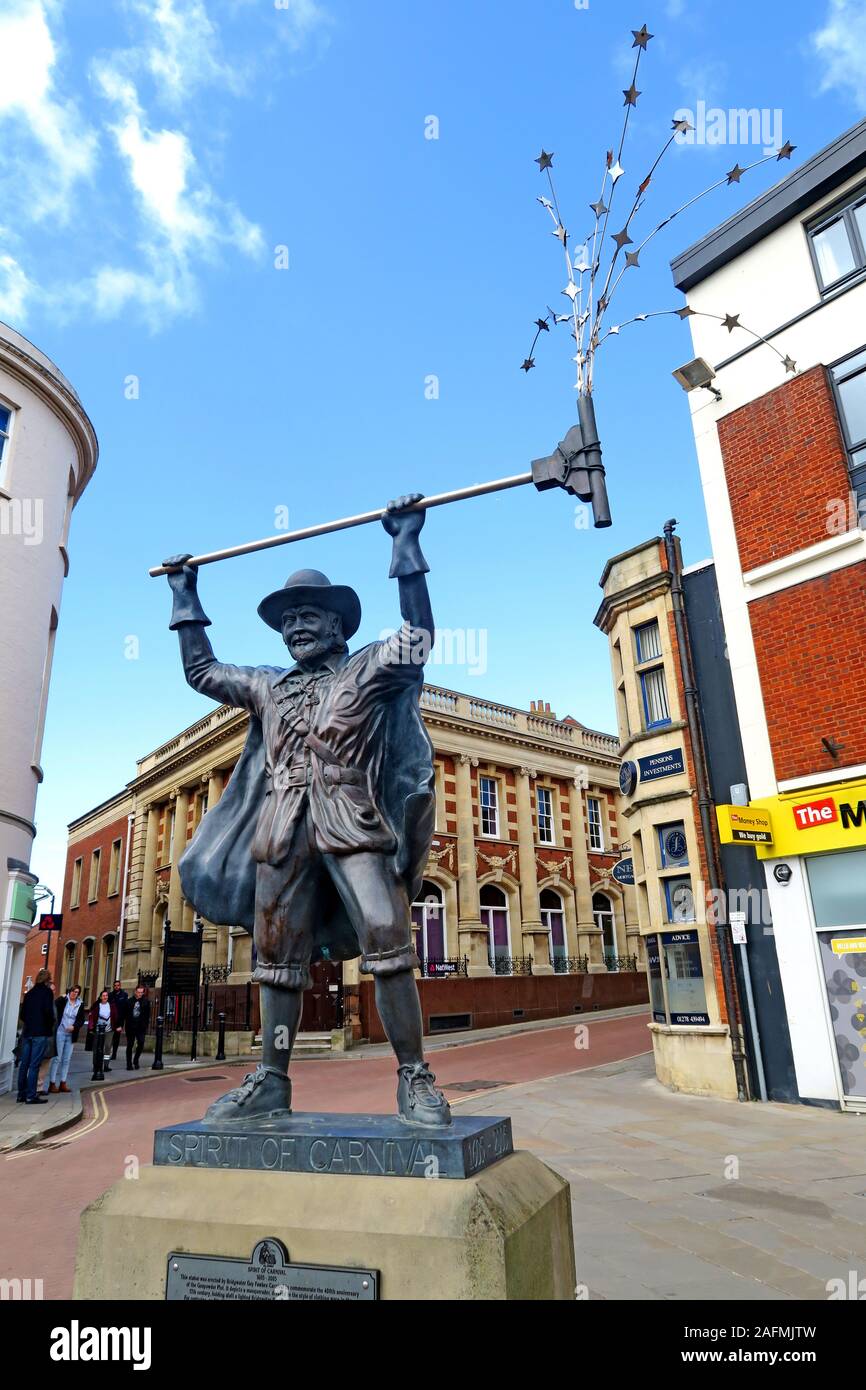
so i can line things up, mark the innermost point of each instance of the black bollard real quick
(99, 1054)
(157, 1049)
(221, 1038)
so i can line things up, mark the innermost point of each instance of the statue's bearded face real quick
(310, 633)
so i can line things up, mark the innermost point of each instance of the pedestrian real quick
(37, 1030)
(102, 1019)
(70, 1016)
(137, 1022)
(119, 998)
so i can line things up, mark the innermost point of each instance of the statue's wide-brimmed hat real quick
(311, 586)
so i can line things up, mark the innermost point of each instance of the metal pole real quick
(753, 1020)
(158, 1064)
(705, 804)
(221, 1039)
(362, 519)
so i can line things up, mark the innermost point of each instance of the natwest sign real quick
(813, 813)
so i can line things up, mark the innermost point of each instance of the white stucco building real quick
(48, 452)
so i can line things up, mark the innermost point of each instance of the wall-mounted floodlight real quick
(697, 375)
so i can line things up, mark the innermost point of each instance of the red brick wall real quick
(810, 643)
(784, 460)
(98, 919)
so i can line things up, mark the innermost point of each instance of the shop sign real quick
(847, 945)
(815, 822)
(744, 825)
(623, 872)
(666, 764)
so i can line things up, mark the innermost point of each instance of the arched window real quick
(87, 971)
(109, 947)
(553, 917)
(428, 924)
(602, 912)
(494, 915)
(69, 966)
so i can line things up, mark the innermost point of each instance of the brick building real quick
(519, 901)
(782, 453)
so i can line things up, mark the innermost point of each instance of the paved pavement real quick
(677, 1197)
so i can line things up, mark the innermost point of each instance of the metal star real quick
(598, 208)
(561, 233)
(614, 328)
(786, 150)
(571, 290)
(631, 259)
(616, 171)
(734, 175)
(602, 303)
(542, 325)
(562, 318)
(642, 37)
(789, 364)
(622, 238)
(631, 95)
(639, 318)
(731, 321)
(545, 203)
(685, 312)
(581, 265)
(528, 364)
(681, 125)
(544, 161)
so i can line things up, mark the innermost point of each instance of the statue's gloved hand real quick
(184, 578)
(187, 608)
(404, 526)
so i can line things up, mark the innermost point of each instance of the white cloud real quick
(49, 148)
(841, 48)
(16, 290)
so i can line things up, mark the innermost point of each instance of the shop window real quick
(114, 869)
(93, 884)
(673, 850)
(654, 694)
(837, 243)
(849, 382)
(489, 806)
(494, 915)
(594, 824)
(544, 811)
(679, 900)
(602, 915)
(553, 917)
(75, 894)
(656, 988)
(687, 999)
(428, 925)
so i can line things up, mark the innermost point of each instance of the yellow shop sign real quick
(744, 825)
(815, 820)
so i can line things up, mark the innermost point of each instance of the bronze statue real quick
(320, 841)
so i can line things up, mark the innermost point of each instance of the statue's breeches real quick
(289, 898)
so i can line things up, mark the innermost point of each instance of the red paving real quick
(45, 1189)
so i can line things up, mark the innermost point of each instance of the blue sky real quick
(157, 153)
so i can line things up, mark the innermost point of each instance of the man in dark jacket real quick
(37, 1030)
(119, 998)
(137, 1021)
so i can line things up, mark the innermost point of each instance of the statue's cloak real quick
(218, 872)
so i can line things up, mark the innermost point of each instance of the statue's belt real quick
(333, 771)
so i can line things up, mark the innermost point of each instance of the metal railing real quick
(620, 962)
(511, 965)
(570, 965)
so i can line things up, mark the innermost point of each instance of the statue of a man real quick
(320, 841)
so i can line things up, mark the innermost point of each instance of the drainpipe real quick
(130, 822)
(705, 809)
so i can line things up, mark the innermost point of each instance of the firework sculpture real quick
(594, 271)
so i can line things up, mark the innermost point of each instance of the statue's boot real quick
(264, 1094)
(419, 1100)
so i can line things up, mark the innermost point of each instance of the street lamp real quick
(697, 375)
